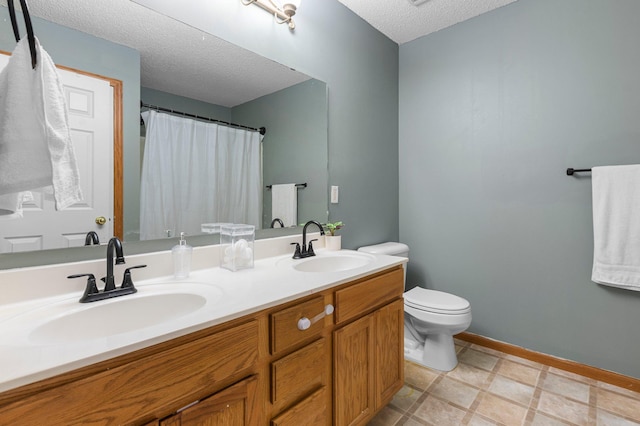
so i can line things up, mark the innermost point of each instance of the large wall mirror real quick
(186, 70)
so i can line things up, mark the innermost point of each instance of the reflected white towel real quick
(35, 142)
(616, 226)
(284, 203)
(11, 204)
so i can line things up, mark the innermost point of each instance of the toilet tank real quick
(390, 248)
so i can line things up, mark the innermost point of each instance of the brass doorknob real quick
(101, 220)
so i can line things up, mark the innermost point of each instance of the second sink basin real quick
(332, 262)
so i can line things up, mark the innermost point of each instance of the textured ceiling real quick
(402, 21)
(177, 64)
(225, 75)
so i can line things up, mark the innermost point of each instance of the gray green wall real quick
(295, 145)
(180, 103)
(81, 51)
(492, 112)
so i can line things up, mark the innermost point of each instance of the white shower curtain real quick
(197, 172)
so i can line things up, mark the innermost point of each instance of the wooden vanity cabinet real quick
(355, 364)
(368, 365)
(261, 369)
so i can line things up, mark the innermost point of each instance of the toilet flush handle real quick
(304, 323)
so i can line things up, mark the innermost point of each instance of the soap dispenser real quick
(181, 258)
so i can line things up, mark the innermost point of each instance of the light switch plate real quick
(334, 194)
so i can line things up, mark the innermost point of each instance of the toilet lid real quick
(435, 301)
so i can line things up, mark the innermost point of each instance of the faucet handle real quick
(310, 251)
(127, 282)
(297, 254)
(91, 287)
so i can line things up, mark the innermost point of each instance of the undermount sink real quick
(69, 321)
(332, 262)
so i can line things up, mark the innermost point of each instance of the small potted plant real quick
(331, 240)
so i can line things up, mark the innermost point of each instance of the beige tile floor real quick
(492, 388)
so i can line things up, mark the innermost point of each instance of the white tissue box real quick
(236, 244)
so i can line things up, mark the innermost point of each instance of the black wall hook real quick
(27, 21)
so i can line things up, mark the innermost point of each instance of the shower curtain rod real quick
(262, 130)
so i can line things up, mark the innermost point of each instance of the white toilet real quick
(431, 318)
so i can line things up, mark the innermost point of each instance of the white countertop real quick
(272, 281)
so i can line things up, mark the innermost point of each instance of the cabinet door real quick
(229, 407)
(389, 351)
(354, 381)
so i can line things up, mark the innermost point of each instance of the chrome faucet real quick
(114, 245)
(307, 251)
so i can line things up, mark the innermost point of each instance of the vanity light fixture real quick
(282, 13)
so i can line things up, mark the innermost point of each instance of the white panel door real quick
(90, 107)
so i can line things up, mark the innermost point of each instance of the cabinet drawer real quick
(354, 301)
(284, 324)
(299, 373)
(312, 411)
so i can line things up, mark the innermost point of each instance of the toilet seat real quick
(436, 301)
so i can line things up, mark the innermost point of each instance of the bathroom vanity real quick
(276, 355)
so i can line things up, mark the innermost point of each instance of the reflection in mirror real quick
(190, 72)
(293, 151)
(196, 174)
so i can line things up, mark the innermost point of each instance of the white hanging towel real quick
(616, 226)
(35, 143)
(284, 203)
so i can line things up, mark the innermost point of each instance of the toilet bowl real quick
(431, 318)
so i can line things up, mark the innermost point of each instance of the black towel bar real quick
(571, 171)
(298, 185)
